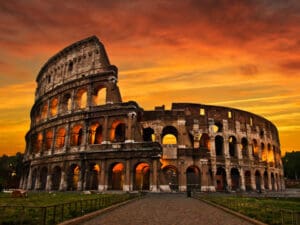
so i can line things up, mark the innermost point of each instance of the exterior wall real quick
(83, 137)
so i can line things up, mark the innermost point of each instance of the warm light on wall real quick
(169, 139)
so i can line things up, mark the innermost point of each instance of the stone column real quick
(270, 181)
(262, 181)
(102, 186)
(242, 177)
(239, 150)
(48, 112)
(129, 131)
(49, 181)
(29, 180)
(182, 177)
(63, 182)
(127, 184)
(67, 139)
(37, 181)
(53, 142)
(153, 186)
(226, 147)
(253, 180)
(73, 103)
(89, 96)
(228, 178)
(105, 131)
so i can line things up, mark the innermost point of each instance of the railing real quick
(54, 214)
(266, 214)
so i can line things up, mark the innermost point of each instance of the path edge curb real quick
(78, 220)
(251, 220)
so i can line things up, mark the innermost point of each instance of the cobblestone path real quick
(169, 209)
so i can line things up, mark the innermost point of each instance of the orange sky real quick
(241, 54)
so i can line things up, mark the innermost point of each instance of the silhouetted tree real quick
(291, 165)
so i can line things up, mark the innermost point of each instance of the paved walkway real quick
(170, 209)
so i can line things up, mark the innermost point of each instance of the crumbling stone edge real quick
(251, 220)
(86, 217)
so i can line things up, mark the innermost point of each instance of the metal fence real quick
(266, 214)
(54, 214)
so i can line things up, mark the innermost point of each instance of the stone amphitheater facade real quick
(83, 137)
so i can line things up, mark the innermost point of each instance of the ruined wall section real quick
(83, 58)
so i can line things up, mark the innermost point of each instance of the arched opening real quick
(56, 176)
(255, 149)
(235, 179)
(258, 181)
(204, 141)
(60, 137)
(39, 142)
(66, 103)
(169, 135)
(92, 177)
(95, 134)
(148, 134)
(219, 145)
(270, 155)
(232, 146)
(266, 180)
(81, 99)
(54, 107)
(44, 111)
(273, 181)
(76, 135)
(263, 152)
(73, 177)
(49, 138)
(244, 143)
(142, 177)
(218, 127)
(33, 179)
(221, 179)
(170, 177)
(118, 131)
(193, 178)
(248, 180)
(43, 178)
(99, 96)
(98, 135)
(116, 176)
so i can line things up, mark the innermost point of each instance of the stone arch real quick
(92, 177)
(219, 143)
(232, 146)
(38, 142)
(44, 113)
(54, 107)
(193, 178)
(148, 134)
(142, 176)
(263, 152)
(244, 143)
(118, 130)
(258, 181)
(221, 179)
(204, 141)
(255, 149)
(60, 137)
(96, 136)
(169, 135)
(116, 176)
(235, 179)
(99, 95)
(248, 180)
(81, 99)
(270, 154)
(43, 178)
(66, 104)
(169, 178)
(76, 135)
(218, 126)
(49, 139)
(266, 180)
(73, 176)
(56, 177)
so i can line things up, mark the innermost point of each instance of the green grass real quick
(52, 208)
(268, 210)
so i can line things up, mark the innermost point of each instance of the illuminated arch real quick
(142, 176)
(204, 141)
(73, 177)
(44, 113)
(60, 137)
(99, 96)
(116, 176)
(54, 107)
(39, 142)
(169, 135)
(66, 104)
(49, 139)
(81, 99)
(76, 135)
(117, 133)
(255, 149)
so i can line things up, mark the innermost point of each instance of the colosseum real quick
(83, 137)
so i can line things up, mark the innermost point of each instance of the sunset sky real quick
(241, 54)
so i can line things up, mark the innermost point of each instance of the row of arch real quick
(72, 179)
(57, 139)
(71, 101)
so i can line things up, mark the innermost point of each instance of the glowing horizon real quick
(237, 54)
